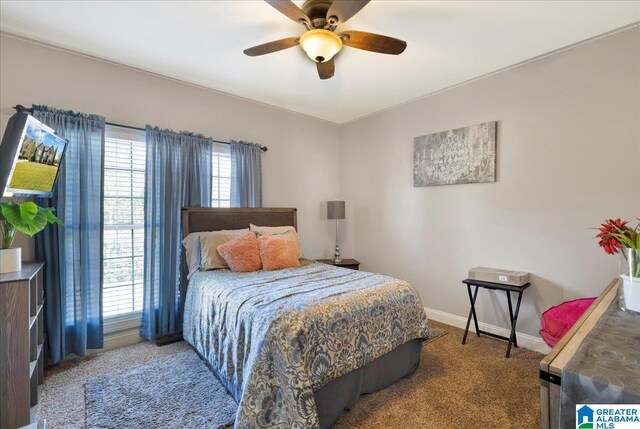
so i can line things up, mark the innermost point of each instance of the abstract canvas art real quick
(463, 155)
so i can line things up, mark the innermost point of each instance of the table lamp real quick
(335, 210)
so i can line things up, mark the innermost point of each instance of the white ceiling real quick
(202, 42)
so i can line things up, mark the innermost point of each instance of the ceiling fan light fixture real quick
(320, 45)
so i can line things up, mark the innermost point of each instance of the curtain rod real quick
(21, 108)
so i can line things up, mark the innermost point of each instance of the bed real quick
(297, 347)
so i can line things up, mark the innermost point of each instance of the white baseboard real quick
(121, 339)
(116, 340)
(524, 340)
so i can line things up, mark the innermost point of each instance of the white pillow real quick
(191, 245)
(287, 232)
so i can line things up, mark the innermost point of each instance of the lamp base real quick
(336, 254)
(336, 261)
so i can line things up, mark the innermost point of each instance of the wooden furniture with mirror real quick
(22, 336)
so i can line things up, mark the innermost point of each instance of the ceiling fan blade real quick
(289, 9)
(326, 69)
(276, 45)
(373, 42)
(345, 9)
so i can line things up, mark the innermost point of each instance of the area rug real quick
(178, 391)
(435, 334)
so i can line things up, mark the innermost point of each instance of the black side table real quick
(513, 316)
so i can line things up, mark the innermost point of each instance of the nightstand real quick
(345, 263)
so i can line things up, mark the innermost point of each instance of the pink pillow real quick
(558, 320)
(241, 254)
(277, 253)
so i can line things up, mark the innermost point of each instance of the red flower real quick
(610, 245)
(608, 242)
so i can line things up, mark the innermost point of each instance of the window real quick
(220, 175)
(123, 235)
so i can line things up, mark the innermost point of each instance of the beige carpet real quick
(456, 386)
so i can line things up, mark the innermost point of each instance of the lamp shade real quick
(335, 209)
(320, 45)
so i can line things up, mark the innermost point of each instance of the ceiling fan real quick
(320, 42)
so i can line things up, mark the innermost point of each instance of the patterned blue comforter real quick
(276, 337)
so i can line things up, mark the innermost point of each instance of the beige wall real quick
(299, 170)
(568, 156)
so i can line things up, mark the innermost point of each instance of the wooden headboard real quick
(196, 219)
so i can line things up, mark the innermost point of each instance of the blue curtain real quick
(178, 175)
(246, 174)
(73, 254)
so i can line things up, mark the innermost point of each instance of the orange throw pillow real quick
(241, 254)
(277, 253)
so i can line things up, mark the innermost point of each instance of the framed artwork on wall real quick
(463, 155)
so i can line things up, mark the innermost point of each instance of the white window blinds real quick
(123, 235)
(220, 175)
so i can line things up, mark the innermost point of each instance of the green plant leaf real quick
(28, 210)
(627, 241)
(23, 217)
(51, 218)
(11, 213)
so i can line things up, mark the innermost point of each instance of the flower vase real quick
(629, 290)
